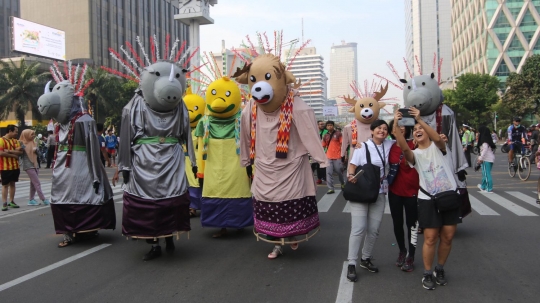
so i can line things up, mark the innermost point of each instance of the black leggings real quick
(397, 203)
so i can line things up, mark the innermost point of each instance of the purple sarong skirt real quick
(287, 218)
(154, 218)
(73, 218)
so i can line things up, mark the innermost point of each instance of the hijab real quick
(29, 145)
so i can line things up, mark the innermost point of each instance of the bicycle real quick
(521, 165)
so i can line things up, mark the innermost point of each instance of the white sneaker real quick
(480, 188)
(489, 192)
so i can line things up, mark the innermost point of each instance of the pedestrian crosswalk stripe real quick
(481, 208)
(327, 200)
(347, 208)
(524, 198)
(516, 209)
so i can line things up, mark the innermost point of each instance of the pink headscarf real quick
(30, 145)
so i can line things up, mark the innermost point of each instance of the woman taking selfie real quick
(438, 216)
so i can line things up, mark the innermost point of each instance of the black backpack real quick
(367, 186)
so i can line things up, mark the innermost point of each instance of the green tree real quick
(20, 88)
(473, 98)
(103, 93)
(522, 94)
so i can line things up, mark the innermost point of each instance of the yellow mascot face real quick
(223, 98)
(195, 106)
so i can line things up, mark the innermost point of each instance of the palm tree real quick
(103, 94)
(20, 88)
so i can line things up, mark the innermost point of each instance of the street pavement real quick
(494, 258)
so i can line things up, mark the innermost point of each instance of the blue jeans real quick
(487, 181)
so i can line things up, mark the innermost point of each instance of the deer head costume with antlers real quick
(366, 110)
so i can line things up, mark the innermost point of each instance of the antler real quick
(242, 70)
(378, 95)
(297, 84)
(349, 100)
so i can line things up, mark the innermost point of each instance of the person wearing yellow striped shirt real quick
(10, 151)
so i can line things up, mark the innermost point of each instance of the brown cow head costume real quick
(268, 81)
(366, 110)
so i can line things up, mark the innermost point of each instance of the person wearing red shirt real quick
(403, 195)
(332, 143)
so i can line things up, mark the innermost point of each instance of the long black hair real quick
(484, 136)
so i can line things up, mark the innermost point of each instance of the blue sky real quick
(377, 26)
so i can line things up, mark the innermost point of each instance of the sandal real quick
(192, 213)
(65, 243)
(220, 234)
(276, 252)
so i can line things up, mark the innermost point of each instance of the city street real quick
(494, 258)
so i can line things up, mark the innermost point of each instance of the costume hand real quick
(415, 113)
(194, 170)
(461, 175)
(125, 175)
(96, 186)
(249, 171)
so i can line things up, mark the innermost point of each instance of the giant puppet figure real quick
(195, 105)
(226, 197)
(278, 131)
(155, 124)
(366, 110)
(81, 197)
(423, 92)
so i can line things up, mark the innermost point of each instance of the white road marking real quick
(51, 267)
(524, 198)
(511, 206)
(327, 200)
(34, 208)
(345, 290)
(347, 208)
(481, 208)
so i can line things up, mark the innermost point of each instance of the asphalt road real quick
(494, 259)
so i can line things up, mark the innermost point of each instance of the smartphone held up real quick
(406, 118)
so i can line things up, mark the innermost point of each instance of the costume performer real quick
(226, 197)
(81, 197)
(366, 111)
(278, 131)
(155, 124)
(195, 105)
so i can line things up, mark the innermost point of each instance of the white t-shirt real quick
(359, 155)
(434, 170)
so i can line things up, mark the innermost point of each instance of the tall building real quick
(309, 68)
(92, 26)
(343, 71)
(8, 8)
(428, 33)
(494, 37)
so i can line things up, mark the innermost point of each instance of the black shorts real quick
(9, 176)
(429, 217)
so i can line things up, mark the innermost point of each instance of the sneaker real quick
(351, 273)
(319, 181)
(13, 205)
(153, 253)
(46, 202)
(409, 265)
(4, 207)
(368, 265)
(401, 258)
(489, 192)
(342, 186)
(330, 191)
(480, 188)
(33, 203)
(276, 252)
(427, 282)
(439, 276)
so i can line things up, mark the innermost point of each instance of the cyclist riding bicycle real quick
(517, 136)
